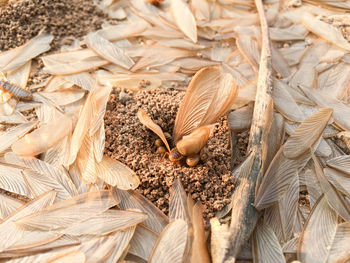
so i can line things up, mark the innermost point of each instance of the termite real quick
(8, 89)
(209, 96)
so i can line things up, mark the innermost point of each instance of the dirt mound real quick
(128, 141)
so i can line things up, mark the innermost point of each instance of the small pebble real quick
(123, 97)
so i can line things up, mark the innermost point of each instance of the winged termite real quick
(9, 89)
(209, 96)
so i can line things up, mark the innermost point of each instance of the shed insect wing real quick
(43, 138)
(147, 121)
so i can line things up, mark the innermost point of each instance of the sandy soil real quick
(64, 19)
(128, 141)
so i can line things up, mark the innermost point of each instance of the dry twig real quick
(244, 215)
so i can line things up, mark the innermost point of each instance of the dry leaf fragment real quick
(307, 134)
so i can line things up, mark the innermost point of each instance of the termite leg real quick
(165, 154)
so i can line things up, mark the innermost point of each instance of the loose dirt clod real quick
(132, 143)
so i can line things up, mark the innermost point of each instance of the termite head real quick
(158, 143)
(174, 155)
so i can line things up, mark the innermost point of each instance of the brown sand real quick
(64, 19)
(128, 141)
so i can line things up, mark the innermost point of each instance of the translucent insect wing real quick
(198, 98)
(209, 95)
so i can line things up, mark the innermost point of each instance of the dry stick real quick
(244, 215)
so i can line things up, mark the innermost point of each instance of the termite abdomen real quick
(15, 90)
(192, 160)
(174, 155)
